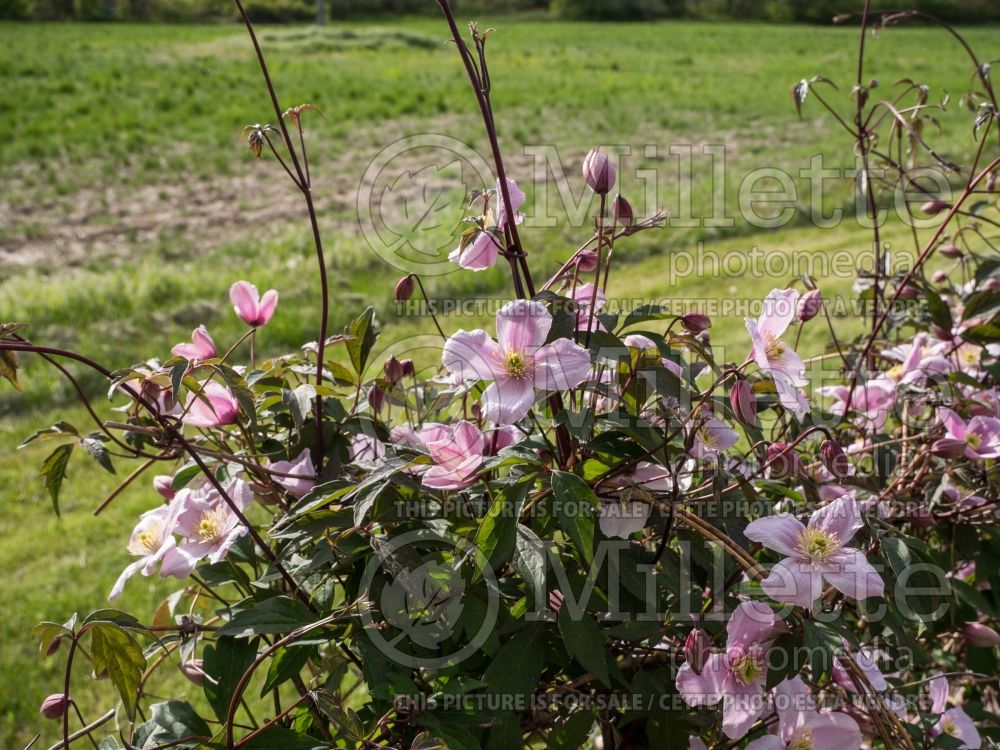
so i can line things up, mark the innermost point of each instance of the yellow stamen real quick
(817, 545)
(746, 668)
(803, 742)
(774, 348)
(515, 365)
(973, 439)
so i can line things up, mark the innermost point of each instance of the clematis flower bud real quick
(164, 484)
(834, 459)
(782, 461)
(393, 370)
(556, 600)
(587, 260)
(939, 277)
(696, 322)
(697, 649)
(54, 707)
(909, 292)
(949, 448)
(810, 304)
(621, 212)
(983, 636)
(404, 288)
(54, 646)
(599, 172)
(991, 285)
(194, 670)
(408, 369)
(932, 208)
(744, 404)
(376, 396)
(940, 333)
(951, 251)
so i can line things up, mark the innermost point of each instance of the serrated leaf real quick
(176, 721)
(114, 650)
(54, 472)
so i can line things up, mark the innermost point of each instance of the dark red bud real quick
(408, 369)
(950, 251)
(697, 648)
(393, 370)
(621, 212)
(54, 646)
(949, 448)
(194, 670)
(810, 304)
(834, 459)
(599, 172)
(54, 707)
(783, 461)
(909, 292)
(375, 398)
(587, 260)
(404, 288)
(932, 208)
(744, 404)
(939, 277)
(696, 322)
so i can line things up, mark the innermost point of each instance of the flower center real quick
(746, 668)
(516, 366)
(973, 439)
(803, 742)
(948, 725)
(774, 348)
(817, 545)
(147, 541)
(210, 526)
(895, 373)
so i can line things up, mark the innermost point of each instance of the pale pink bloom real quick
(457, 455)
(867, 661)
(482, 252)
(713, 437)
(518, 363)
(801, 726)
(301, 465)
(917, 360)
(773, 355)
(696, 743)
(953, 721)
(366, 449)
(981, 435)
(623, 515)
(582, 296)
(152, 541)
(251, 308)
(815, 553)
(737, 675)
(208, 525)
(638, 341)
(222, 407)
(201, 346)
(164, 485)
(873, 401)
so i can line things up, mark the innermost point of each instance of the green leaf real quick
(939, 310)
(575, 506)
(94, 445)
(822, 643)
(225, 661)
(58, 430)
(516, 668)
(585, 642)
(279, 614)
(285, 664)
(177, 720)
(54, 471)
(276, 738)
(529, 559)
(498, 531)
(362, 331)
(114, 649)
(571, 733)
(46, 632)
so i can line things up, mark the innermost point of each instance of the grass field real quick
(127, 207)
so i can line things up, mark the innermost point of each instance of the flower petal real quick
(849, 572)
(832, 731)
(561, 365)
(794, 582)
(246, 301)
(778, 312)
(507, 400)
(741, 707)
(751, 623)
(703, 689)
(473, 355)
(840, 519)
(267, 304)
(782, 533)
(522, 326)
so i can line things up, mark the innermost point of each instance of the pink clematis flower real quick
(737, 675)
(867, 661)
(815, 553)
(953, 721)
(152, 541)
(208, 524)
(457, 454)
(624, 514)
(582, 296)
(638, 341)
(482, 252)
(980, 435)
(201, 346)
(251, 308)
(872, 401)
(713, 437)
(518, 363)
(366, 449)
(802, 727)
(773, 355)
(302, 465)
(222, 407)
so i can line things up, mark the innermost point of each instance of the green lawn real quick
(137, 127)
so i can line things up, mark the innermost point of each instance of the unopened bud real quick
(54, 707)
(939, 277)
(375, 398)
(921, 516)
(54, 646)
(556, 600)
(834, 459)
(983, 636)
(164, 485)
(586, 260)
(940, 333)
(599, 172)
(810, 304)
(744, 404)
(991, 284)
(697, 648)
(393, 370)
(783, 461)
(696, 322)
(949, 448)
(932, 208)
(621, 212)
(404, 288)
(194, 670)
(408, 369)
(951, 251)
(909, 292)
